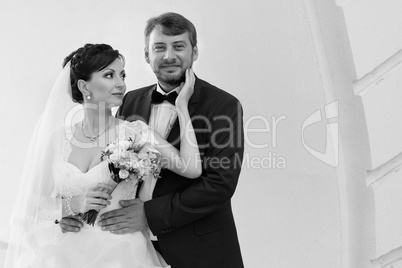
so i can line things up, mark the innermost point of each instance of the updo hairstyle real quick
(87, 60)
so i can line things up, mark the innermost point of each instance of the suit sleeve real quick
(222, 161)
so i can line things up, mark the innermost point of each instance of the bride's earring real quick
(88, 96)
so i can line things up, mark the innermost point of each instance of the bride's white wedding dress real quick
(92, 247)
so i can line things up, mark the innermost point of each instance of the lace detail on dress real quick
(50, 209)
(67, 138)
(67, 187)
(67, 184)
(128, 189)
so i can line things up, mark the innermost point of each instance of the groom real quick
(192, 219)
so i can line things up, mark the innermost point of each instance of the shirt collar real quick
(160, 90)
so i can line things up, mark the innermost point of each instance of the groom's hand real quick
(69, 224)
(129, 219)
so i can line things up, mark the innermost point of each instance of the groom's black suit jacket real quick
(193, 219)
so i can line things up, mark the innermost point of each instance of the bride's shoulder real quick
(65, 131)
(69, 131)
(59, 136)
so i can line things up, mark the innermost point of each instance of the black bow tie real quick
(159, 98)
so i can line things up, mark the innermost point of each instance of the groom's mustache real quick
(172, 63)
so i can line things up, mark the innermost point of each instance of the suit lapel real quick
(145, 105)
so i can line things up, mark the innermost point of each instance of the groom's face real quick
(170, 57)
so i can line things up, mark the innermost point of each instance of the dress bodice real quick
(75, 182)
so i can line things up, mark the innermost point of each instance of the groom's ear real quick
(195, 53)
(146, 54)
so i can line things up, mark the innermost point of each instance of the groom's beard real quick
(173, 80)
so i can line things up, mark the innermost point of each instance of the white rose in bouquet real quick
(114, 158)
(123, 174)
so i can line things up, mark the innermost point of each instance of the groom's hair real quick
(171, 24)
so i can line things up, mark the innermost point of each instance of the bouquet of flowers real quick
(128, 160)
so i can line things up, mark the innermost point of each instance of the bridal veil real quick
(39, 201)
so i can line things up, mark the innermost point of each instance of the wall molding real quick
(373, 78)
(329, 95)
(387, 259)
(378, 175)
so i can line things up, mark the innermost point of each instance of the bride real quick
(64, 170)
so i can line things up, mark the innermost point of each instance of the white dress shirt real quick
(162, 118)
(163, 115)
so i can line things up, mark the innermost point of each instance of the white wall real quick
(264, 53)
(374, 31)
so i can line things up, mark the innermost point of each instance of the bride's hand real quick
(92, 199)
(187, 89)
(70, 224)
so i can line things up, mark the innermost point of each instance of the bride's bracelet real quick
(67, 206)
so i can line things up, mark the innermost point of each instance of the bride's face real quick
(107, 86)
